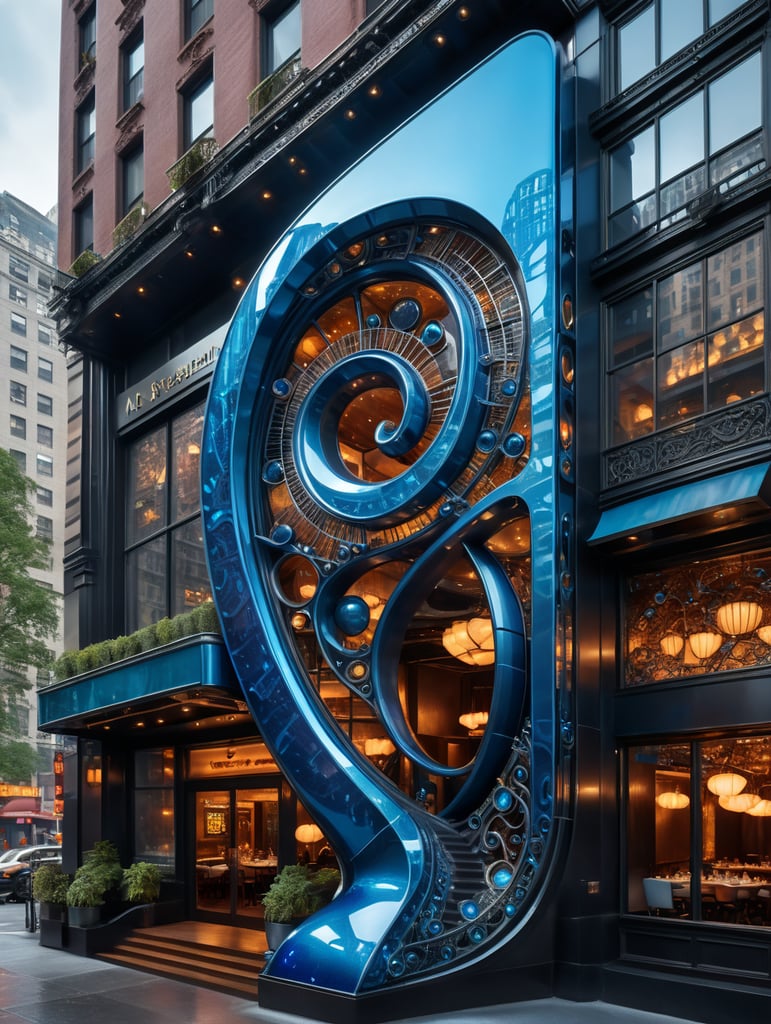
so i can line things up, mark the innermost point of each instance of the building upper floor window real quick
(87, 36)
(703, 617)
(199, 110)
(19, 458)
(45, 465)
(18, 268)
(710, 140)
(197, 12)
(165, 565)
(18, 392)
(44, 334)
(690, 342)
(18, 427)
(45, 496)
(45, 436)
(662, 28)
(133, 59)
(45, 404)
(86, 128)
(283, 36)
(18, 358)
(44, 528)
(16, 294)
(19, 324)
(45, 368)
(83, 218)
(132, 177)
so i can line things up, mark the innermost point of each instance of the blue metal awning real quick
(197, 666)
(744, 490)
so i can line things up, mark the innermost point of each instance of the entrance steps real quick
(192, 960)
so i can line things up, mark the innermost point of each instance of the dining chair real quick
(658, 896)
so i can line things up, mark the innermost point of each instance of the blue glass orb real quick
(474, 822)
(273, 473)
(487, 441)
(509, 387)
(352, 615)
(446, 953)
(469, 909)
(412, 960)
(282, 388)
(503, 799)
(396, 967)
(477, 934)
(343, 553)
(432, 333)
(502, 877)
(510, 909)
(514, 445)
(435, 927)
(283, 534)
(405, 314)
(520, 773)
(373, 320)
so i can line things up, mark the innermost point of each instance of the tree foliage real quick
(29, 615)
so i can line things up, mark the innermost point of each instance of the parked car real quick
(17, 865)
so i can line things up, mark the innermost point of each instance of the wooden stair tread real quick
(244, 987)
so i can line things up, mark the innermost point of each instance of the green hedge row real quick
(202, 619)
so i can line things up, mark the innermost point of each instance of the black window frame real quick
(83, 225)
(133, 82)
(132, 166)
(85, 127)
(45, 404)
(87, 35)
(192, 92)
(272, 17)
(197, 13)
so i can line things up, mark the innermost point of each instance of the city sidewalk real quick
(48, 986)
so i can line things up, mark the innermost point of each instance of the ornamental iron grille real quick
(387, 477)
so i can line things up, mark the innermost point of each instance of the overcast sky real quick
(29, 100)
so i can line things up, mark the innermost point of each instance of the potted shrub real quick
(295, 893)
(85, 897)
(49, 888)
(97, 881)
(141, 882)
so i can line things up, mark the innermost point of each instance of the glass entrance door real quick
(236, 840)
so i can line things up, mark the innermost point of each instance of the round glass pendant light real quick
(739, 617)
(704, 645)
(740, 802)
(673, 800)
(726, 784)
(762, 809)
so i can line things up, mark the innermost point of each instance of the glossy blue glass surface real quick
(462, 201)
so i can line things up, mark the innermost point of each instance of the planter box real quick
(84, 917)
(53, 934)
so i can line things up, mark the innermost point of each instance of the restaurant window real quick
(133, 58)
(197, 12)
(282, 36)
(198, 102)
(18, 358)
(698, 830)
(713, 139)
(704, 617)
(18, 427)
(688, 343)
(84, 225)
(166, 570)
(154, 807)
(660, 30)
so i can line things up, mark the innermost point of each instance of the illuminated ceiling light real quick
(267, 194)
(463, 13)
(739, 617)
(374, 91)
(141, 290)
(308, 834)
(739, 803)
(704, 645)
(189, 253)
(762, 809)
(726, 784)
(474, 721)
(238, 282)
(216, 229)
(765, 634)
(292, 161)
(672, 644)
(376, 747)
(117, 316)
(350, 115)
(439, 39)
(673, 800)
(470, 641)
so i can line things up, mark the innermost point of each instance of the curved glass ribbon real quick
(386, 490)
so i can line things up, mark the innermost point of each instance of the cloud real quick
(29, 100)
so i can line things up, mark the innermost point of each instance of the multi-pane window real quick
(133, 56)
(86, 129)
(18, 427)
(707, 141)
(45, 496)
(197, 12)
(18, 392)
(44, 528)
(84, 225)
(87, 35)
(691, 342)
(19, 458)
(45, 465)
(165, 565)
(721, 871)
(662, 28)
(16, 294)
(45, 368)
(283, 36)
(18, 268)
(45, 436)
(19, 324)
(18, 358)
(45, 404)
(154, 806)
(44, 335)
(133, 177)
(199, 110)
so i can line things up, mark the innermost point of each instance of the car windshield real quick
(9, 855)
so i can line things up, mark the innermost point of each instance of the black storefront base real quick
(461, 991)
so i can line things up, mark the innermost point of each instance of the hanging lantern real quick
(765, 634)
(672, 644)
(726, 784)
(740, 802)
(471, 641)
(762, 809)
(673, 800)
(739, 617)
(704, 645)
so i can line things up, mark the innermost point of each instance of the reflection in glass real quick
(637, 47)
(729, 120)
(188, 567)
(681, 22)
(680, 307)
(186, 448)
(146, 582)
(633, 401)
(681, 137)
(146, 486)
(680, 384)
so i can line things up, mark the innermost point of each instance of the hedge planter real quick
(84, 917)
